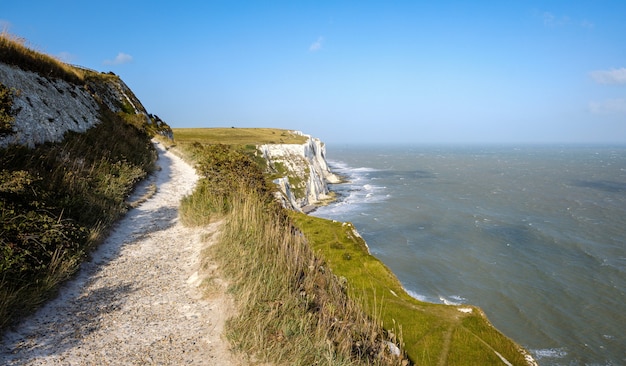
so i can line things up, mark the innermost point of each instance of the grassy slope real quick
(57, 200)
(291, 309)
(237, 136)
(432, 334)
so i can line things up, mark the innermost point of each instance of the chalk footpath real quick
(137, 301)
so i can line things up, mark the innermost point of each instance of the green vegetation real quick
(297, 183)
(6, 110)
(245, 139)
(223, 168)
(57, 200)
(305, 283)
(292, 309)
(236, 136)
(432, 333)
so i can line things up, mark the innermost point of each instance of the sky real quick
(355, 71)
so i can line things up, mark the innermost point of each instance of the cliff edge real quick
(302, 172)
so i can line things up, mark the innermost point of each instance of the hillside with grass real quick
(73, 145)
(308, 288)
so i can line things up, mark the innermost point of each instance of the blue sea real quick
(534, 235)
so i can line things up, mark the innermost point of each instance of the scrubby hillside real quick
(309, 290)
(292, 309)
(73, 144)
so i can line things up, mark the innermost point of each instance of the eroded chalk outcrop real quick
(46, 108)
(304, 171)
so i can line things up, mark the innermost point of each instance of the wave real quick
(549, 353)
(541, 251)
(357, 191)
(339, 166)
(453, 300)
(417, 296)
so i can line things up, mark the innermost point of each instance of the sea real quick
(535, 235)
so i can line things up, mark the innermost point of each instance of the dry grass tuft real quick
(14, 51)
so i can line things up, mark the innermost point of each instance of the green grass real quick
(57, 201)
(432, 333)
(236, 136)
(296, 291)
(7, 113)
(291, 308)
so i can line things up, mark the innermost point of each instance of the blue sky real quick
(356, 71)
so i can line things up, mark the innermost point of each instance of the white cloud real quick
(613, 76)
(121, 58)
(552, 20)
(610, 106)
(317, 45)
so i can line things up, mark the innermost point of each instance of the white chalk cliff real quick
(46, 108)
(305, 171)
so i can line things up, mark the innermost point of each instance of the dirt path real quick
(137, 300)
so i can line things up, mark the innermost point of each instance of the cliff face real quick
(46, 108)
(303, 172)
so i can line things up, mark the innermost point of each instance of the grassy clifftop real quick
(432, 334)
(309, 290)
(13, 51)
(237, 136)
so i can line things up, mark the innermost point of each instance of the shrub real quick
(6, 110)
(225, 168)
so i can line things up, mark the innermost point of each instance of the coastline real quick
(399, 292)
(499, 227)
(419, 325)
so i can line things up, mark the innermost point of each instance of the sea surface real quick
(534, 235)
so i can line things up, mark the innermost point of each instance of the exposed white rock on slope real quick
(306, 168)
(48, 108)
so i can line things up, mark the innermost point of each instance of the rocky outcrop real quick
(303, 172)
(46, 108)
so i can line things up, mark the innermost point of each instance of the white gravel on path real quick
(137, 302)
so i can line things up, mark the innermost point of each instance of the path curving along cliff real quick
(138, 300)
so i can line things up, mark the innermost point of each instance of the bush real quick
(226, 168)
(6, 110)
